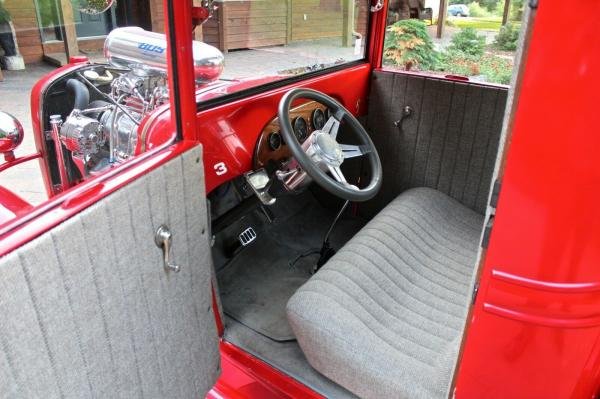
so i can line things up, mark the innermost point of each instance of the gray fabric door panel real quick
(87, 309)
(450, 143)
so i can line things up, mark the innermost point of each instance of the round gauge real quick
(300, 128)
(327, 114)
(274, 140)
(318, 119)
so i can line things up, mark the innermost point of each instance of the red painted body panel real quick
(536, 322)
(244, 376)
(11, 205)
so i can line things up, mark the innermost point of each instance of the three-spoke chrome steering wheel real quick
(321, 153)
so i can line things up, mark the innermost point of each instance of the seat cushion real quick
(384, 317)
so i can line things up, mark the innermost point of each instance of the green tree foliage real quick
(467, 41)
(477, 11)
(407, 44)
(489, 5)
(516, 10)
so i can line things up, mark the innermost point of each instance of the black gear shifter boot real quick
(326, 253)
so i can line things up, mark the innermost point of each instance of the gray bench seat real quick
(384, 317)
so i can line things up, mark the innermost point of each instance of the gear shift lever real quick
(327, 250)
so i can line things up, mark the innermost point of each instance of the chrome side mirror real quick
(95, 7)
(11, 135)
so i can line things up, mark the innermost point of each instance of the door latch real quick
(162, 239)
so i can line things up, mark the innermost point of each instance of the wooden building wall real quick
(313, 19)
(244, 24)
(157, 15)
(239, 24)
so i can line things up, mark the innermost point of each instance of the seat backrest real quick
(450, 142)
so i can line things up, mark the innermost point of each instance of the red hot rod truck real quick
(311, 201)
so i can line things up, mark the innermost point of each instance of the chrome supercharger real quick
(131, 85)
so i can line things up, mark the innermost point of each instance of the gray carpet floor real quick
(257, 283)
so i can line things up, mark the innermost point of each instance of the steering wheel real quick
(321, 153)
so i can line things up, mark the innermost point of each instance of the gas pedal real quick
(247, 236)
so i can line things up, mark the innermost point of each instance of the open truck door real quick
(93, 307)
(106, 288)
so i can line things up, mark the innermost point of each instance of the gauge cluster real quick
(305, 118)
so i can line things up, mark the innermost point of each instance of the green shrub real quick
(407, 44)
(467, 41)
(476, 11)
(507, 38)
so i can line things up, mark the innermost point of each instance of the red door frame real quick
(535, 326)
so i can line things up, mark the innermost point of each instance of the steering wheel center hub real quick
(326, 148)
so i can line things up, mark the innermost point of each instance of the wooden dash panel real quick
(263, 154)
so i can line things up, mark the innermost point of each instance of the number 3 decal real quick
(220, 168)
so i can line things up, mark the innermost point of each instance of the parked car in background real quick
(458, 10)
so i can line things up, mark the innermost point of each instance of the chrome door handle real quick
(162, 239)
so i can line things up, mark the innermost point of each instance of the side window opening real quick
(476, 39)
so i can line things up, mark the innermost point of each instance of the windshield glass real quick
(267, 40)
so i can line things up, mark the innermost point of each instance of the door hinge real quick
(474, 295)
(495, 193)
(487, 232)
(490, 222)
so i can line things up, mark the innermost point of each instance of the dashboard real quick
(271, 148)
(230, 132)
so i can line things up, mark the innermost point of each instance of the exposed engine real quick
(132, 85)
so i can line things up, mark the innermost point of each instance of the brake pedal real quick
(247, 236)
